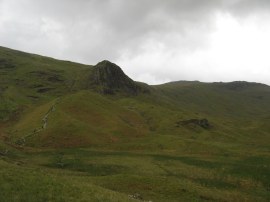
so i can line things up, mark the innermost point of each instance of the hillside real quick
(93, 126)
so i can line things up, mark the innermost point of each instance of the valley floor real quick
(94, 175)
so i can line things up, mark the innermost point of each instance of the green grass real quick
(21, 183)
(156, 177)
(98, 147)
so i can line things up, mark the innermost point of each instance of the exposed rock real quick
(44, 90)
(109, 78)
(32, 96)
(37, 86)
(4, 153)
(136, 196)
(204, 123)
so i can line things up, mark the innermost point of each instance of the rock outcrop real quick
(108, 78)
(204, 123)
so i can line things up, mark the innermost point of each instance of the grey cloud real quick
(119, 30)
(103, 29)
(247, 7)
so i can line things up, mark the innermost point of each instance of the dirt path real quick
(43, 126)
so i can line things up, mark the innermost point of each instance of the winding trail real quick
(21, 141)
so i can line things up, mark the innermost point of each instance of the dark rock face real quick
(204, 123)
(110, 79)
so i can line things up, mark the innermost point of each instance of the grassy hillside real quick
(89, 133)
(28, 79)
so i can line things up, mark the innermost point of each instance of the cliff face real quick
(109, 78)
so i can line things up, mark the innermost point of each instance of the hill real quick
(179, 141)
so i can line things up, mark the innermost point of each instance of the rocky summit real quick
(112, 79)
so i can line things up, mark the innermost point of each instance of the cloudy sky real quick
(154, 41)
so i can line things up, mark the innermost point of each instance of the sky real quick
(153, 41)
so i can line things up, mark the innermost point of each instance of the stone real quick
(108, 78)
(204, 123)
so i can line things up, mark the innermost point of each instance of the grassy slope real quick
(132, 144)
(24, 183)
(82, 119)
(28, 79)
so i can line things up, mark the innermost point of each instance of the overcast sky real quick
(154, 41)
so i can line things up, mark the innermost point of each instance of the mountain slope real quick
(185, 140)
(27, 79)
(32, 83)
(80, 119)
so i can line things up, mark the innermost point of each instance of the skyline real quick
(153, 42)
